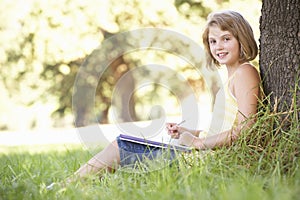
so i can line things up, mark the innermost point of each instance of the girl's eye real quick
(211, 41)
(226, 39)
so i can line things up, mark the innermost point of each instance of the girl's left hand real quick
(186, 139)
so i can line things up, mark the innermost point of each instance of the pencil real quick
(181, 122)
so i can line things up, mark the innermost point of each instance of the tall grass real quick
(272, 144)
(262, 164)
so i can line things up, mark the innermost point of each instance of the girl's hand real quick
(173, 130)
(186, 139)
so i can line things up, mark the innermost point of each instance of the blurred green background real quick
(43, 44)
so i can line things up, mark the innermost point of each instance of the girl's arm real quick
(246, 91)
(194, 132)
(174, 130)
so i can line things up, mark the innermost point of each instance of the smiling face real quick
(224, 47)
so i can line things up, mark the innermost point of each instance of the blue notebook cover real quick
(156, 142)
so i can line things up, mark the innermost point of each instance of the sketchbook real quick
(161, 141)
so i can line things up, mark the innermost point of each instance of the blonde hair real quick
(239, 27)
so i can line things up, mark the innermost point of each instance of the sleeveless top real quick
(225, 110)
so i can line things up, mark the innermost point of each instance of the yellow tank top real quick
(225, 110)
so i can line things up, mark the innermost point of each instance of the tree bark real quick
(279, 52)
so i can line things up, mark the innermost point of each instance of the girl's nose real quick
(219, 45)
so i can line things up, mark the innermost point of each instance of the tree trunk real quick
(123, 101)
(279, 51)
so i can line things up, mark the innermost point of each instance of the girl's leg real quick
(107, 159)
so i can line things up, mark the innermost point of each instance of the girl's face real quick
(224, 47)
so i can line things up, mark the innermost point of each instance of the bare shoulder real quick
(246, 78)
(247, 72)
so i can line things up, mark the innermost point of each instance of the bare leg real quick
(107, 159)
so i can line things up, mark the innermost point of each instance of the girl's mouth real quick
(221, 55)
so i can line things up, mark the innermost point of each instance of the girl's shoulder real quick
(247, 70)
(246, 76)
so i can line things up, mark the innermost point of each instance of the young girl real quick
(228, 40)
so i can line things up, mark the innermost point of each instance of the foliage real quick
(44, 43)
(53, 38)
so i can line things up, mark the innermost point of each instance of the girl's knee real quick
(115, 144)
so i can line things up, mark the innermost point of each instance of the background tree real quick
(280, 52)
(43, 44)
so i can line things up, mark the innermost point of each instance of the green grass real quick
(262, 164)
(25, 176)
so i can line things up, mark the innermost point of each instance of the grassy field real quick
(25, 174)
(262, 164)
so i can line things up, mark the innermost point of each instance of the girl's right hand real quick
(173, 130)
